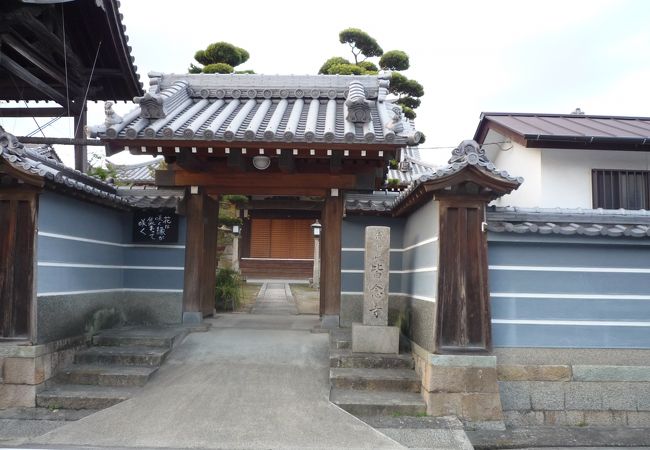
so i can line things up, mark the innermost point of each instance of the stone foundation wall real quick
(63, 316)
(459, 385)
(24, 369)
(532, 387)
(575, 387)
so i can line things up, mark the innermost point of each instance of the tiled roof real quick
(586, 222)
(410, 167)
(151, 196)
(569, 126)
(59, 176)
(264, 108)
(46, 151)
(140, 173)
(468, 153)
(375, 202)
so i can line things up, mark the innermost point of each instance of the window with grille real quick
(614, 189)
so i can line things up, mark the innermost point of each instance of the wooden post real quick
(210, 216)
(330, 279)
(194, 248)
(80, 151)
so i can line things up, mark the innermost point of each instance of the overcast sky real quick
(471, 56)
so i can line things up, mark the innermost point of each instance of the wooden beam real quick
(32, 55)
(33, 112)
(261, 179)
(265, 190)
(286, 162)
(19, 71)
(60, 141)
(330, 281)
(236, 160)
(80, 150)
(336, 161)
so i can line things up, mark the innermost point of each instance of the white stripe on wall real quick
(422, 269)
(418, 297)
(570, 296)
(394, 250)
(572, 269)
(596, 323)
(95, 241)
(97, 291)
(106, 266)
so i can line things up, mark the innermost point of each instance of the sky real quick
(539, 56)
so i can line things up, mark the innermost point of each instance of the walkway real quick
(252, 381)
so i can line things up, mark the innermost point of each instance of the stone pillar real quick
(374, 335)
(316, 271)
(235, 253)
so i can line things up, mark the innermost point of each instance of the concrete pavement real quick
(251, 381)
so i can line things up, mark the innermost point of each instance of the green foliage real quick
(408, 113)
(229, 221)
(228, 289)
(407, 91)
(392, 182)
(194, 69)
(368, 66)
(218, 68)
(346, 69)
(409, 102)
(361, 43)
(324, 69)
(222, 52)
(98, 167)
(392, 164)
(245, 71)
(394, 60)
(235, 199)
(219, 57)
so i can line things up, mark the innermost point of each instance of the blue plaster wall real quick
(571, 292)
(86, 261)
(413, 266)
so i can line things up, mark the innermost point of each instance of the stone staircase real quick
(366, 384)
(119, 362)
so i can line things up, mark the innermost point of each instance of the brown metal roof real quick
(569, 130)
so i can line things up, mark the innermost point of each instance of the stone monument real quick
(374, 335)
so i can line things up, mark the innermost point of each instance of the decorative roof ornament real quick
(396, 124)
(358, 107)
(112, 117)
(469, 152)
(151, 106)
(10, 143)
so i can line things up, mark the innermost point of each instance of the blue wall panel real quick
(593, 302)
(68, 279)
(63, 220)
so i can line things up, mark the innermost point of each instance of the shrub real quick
(228, 289)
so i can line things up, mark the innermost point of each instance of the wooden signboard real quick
(155, 226)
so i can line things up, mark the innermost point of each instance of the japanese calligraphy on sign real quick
(155, 226)
(376, 274)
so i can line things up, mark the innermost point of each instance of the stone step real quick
(378, 403)
(105, 375)
(341, 338)
(126, 356)
(344, 358)
(155, 337)
(404, 380)
(76, 396)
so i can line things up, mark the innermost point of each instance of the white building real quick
(571, 160)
